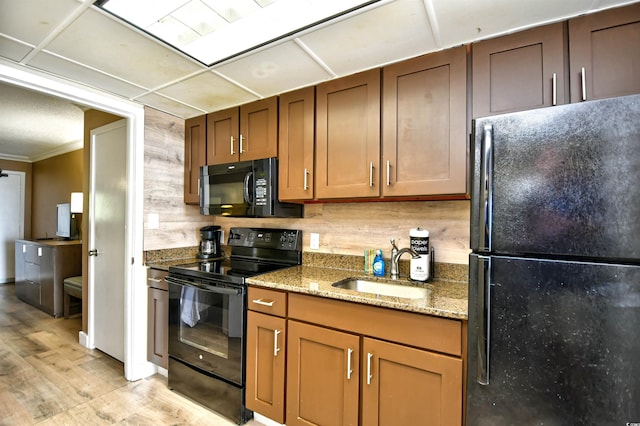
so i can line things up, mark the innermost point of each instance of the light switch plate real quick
(314, 242)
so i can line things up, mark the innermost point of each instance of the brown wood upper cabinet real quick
(520, 71)
(348, 137)
(249, 132)
(603, 54)
(195, 155)
(296, 144)
(423, 120)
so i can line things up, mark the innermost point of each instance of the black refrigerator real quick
(554, 273)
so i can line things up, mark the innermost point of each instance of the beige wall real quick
(54, 179)
(19, 166)
(345, 228)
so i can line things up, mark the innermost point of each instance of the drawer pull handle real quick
(263, 302)
(155, 280)
(276, 349)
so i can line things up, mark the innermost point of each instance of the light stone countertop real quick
(445, 298)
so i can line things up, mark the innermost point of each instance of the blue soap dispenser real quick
(378, 264)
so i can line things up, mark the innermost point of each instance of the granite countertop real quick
(445, 298)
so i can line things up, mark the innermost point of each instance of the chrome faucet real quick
(395, 256)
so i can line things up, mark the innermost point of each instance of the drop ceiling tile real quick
(275, 70)
(387, 33)
(101, 42)
(13, 50)
(169, 106)
(32, 20)
(72, 71)
(208, 92)
(480, 19)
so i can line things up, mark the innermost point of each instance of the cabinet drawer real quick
(155, 279)
(269, 301)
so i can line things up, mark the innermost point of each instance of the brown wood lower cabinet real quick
(322, 376)
(352, 364)
(157, 318)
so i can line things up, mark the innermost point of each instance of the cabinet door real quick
(519, 71)
(266, 353)
(195, 155)
(46, 281)
(348, 136)
(603, 54)
(259, 129)
(407, 386)
(424, 143)
(296, 144)
(223, 144)
(158, 327)
(322, 376)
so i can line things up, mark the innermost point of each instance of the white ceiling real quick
(74, 40)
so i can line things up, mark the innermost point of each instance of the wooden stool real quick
(72, 287)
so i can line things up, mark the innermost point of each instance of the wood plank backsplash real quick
(344, 228)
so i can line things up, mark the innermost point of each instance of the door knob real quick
(93, 252)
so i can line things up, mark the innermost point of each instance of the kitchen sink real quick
(382, 288)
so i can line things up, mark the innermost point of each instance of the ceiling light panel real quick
(214, 30)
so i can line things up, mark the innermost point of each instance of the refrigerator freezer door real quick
(560, 181)
(563, 343)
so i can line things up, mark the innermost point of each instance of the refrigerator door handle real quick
(484, 289)
(486, 191)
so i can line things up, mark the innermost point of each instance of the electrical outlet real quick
(314, 243)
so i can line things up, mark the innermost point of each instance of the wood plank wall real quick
(344, 228)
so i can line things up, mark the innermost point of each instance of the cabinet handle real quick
(306, 173)
(388, 173)
(39, 251)
(232, 151)
(155, 280)
(263, 302)
(349, 370)
(276, 349)
(369, 376)
(554, 95)
(584, 84)
(241, 144)
(198, 187)
(370, 173)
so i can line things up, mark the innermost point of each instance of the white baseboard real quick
(83, 339)
(266, 421)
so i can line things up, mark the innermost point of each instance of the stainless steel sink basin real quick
(382, 288)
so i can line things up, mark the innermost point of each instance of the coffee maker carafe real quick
(210, 243)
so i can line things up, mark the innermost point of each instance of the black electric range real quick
(207, 317)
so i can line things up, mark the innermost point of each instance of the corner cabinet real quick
(157, 318)
(348, 136)
(249, 132)
(424, 142)
(348, 363)
(41, 268)
(195, 155)
(296, 145)
(603, 54)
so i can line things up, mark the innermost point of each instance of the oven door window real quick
(206, 328)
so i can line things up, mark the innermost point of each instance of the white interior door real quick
(107, 238)
(11, 221)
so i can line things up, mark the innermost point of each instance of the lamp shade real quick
(76, 202)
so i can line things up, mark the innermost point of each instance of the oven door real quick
(206, 325)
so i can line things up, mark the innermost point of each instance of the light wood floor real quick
(47, 378)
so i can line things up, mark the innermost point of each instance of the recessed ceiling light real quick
(212, 31)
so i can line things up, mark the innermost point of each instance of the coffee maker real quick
(210, 245)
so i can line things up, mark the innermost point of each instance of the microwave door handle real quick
(248, 196)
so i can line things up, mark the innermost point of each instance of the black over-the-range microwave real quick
(244, 189)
